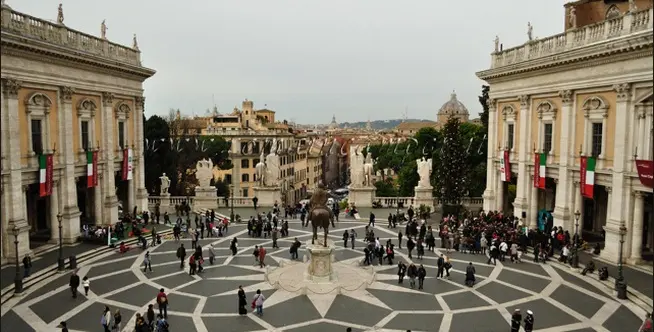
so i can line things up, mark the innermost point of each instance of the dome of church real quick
(453, 107)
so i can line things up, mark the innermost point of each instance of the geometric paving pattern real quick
(561, 299)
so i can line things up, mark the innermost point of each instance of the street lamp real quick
(231, 205)
(575, 258)
(620, 283)
(18, 280)
(61, 265)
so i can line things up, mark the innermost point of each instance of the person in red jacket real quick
(262, 255)
(162, 301)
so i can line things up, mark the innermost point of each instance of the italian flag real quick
(539, 170)
(91, 169)
(45, 175)
(587, 176)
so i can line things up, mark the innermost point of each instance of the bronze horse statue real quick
(321, 217)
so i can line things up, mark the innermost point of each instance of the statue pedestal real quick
(362, 196)
(164, 204)
(424, 196)
(205, 198)
(267, 196)
(319, 268)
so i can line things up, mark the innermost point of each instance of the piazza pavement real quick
(561, 299)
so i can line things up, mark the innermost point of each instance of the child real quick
(87, 285)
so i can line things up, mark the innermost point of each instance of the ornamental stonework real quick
(10, 87)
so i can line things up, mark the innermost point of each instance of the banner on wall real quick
(127, 164)
(540, 162)
(646, 172)
(505, 167)
(587, 176)
(45, 175)
(91, 169)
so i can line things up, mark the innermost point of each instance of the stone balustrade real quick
(468, 202)
(58, 34)
(575, 38)
(177, 200)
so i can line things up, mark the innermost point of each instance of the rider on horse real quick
(319, 201)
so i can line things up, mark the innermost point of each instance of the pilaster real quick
(533, 204)
(97, 201)
(109, 187)
(71, 213)
(636, 231)
(618, 182)
(55, 209)
(489, 192)
(141, 191)
(562, 212)
(520, 204)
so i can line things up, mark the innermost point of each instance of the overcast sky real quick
(309, 59)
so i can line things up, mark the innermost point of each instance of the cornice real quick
(611, 48)
(47, 52)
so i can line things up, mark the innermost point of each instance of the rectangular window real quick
(37, 136)
(121, 134)
(596, 144)
(245, 192)
(509, 137)
(547, 138)
(85, 135)
(245, 163)
(228, 178)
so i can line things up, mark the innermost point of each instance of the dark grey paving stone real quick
(228, 304)
(180, 323)
(301, 307)
(12, 322)
(480, 321)
(575, 280)
(179, 302)
(171, 246)
(175, 280)
(344, 254)
(213, 287)
(406, 301)
(588, 329)
(501, 293)
(138, 295)
(106, 285)
(228, 271)
(464, 300)
(162, 270)
(524, 281)
(577, 301)
(431, 285)
(64, 303)
(415, 322)
(89, 318)
(480, 270)
(322, 327)
(527, 267)
(57, 281)
(623, 320)
(109, 267)
(551, 315)
(249, 260)
(232, 324)
(466, 257)
(353, 311)
(133, 252)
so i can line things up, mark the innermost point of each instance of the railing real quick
(470, 202)
(575, 38)
(36, 28)
(172, 201)
(393, 201)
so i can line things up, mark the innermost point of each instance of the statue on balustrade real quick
(424, 171)
(573, 18)
(60, 13)
(530, 31)
(497, 44)
(632, 6)
(165, 184)
(204, 172)
(103, 30)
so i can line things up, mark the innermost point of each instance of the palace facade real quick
(66, 93)
(583, 93)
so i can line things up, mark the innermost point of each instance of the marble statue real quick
(497, 44)
(356, 167)
(368, 171)
(530, 31)
(204, 172)
(272, 167)
(424, 171)
(573, 18)
(103, 30)
(60, 14)
(260, 170)
(165, 184)
(135, 44)
(632, 6)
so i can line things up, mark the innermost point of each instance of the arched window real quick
(245, 178)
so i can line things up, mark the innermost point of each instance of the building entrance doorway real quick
(37, 215)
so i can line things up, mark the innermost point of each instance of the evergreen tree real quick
(483, 100)
(452, 166)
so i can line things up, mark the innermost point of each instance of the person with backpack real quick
(162, 301)
(162, 324)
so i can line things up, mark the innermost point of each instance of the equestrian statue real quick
(319, 214)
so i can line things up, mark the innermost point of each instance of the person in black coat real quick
(74, 283)
(242, 301)
(529, 321)
(422, 273)
(401, 272)
(516, 320)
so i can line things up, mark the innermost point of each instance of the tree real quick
(452, 166)
(385, 188)
(483, 100)
(158, 156)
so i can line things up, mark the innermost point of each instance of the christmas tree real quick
(452, 166)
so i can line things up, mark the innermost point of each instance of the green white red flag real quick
(45, 175)
(587, 176)
(505, 167)
(91, 169)
(539, 170)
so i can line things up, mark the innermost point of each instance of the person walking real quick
(529, 321)
(181, 255)
(401, 272)
(353, 236)
(212, 254)
(105, 320)
(63, 326)
(346, 236)
(422, 273)
(86, 283)
(147, 262)
(242, 301)
(516, 320)
(118, 318)
(150, 315)
(440, 263)
(412, 273)
(647, 324)
(258, 302)
(27, 265)
(162, 301)
(262, 256)
(74, 283)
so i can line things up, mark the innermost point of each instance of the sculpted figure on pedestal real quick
(260, 170)
(103, 30)
(135, 44)
(530, 31)
(497, 44)
(356, 168)
(165, 184)
(203, 172)
(424, 171)
(272, 166)
(368, 171)
(573, 18)
(60, 13)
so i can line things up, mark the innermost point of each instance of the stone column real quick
(637, 229)
(609, 199)
(97, 201)
(499, 192)
(533, 204)
(15, 201)
(562, 212)
(577, 201)
(141, 191)
(616, 215)
(522, 188)
(109, 187)
(489, 193)
(71, 213)
(54, 211)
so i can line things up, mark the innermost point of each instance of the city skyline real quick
(353, 61)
